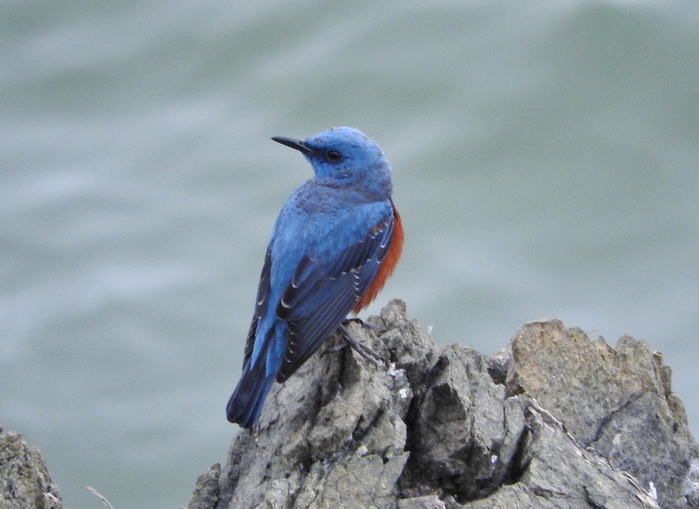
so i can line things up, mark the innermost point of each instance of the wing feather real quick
(263, 290)
(321, 295)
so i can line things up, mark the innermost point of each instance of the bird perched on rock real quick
(336, 241)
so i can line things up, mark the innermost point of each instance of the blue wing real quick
(307, 287)
(261, 302)
(321, 294)
(245, 404)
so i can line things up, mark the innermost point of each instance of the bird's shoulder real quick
(321, 222)
(317, 210)
(316, 197)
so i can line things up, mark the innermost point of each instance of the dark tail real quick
(247, 400)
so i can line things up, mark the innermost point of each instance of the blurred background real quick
(545, 161)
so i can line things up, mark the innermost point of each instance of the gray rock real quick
(615, 400)
(554, 472)
(465, 431)
(557, 421)
(207, 489)
(24, 480)
(344, 422)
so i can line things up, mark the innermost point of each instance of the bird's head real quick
(345, 157)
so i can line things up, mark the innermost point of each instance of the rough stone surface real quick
(615, 400)
(24, 480)
(207, 489)
(556, 421)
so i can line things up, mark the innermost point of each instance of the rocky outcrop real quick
(556, 420)
(24, 480)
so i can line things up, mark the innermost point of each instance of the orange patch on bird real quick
(388, 265)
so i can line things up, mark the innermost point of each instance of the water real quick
(545, 159)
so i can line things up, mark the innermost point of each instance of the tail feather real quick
(259, 370)
(245, 405)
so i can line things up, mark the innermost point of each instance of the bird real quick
(335, 242)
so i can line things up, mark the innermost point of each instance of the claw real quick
(361, 322)
(364, 350)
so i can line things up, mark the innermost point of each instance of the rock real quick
(465, 430)
(207, 489)
(622, 404)
(24, 480)
(558, 420)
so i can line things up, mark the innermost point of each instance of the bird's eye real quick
(333, 155)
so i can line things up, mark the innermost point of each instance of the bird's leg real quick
(361, 322)
(364, 350)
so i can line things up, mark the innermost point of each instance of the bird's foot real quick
(361, 322)
(364, 350)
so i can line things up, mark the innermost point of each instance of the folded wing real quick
(321, 294)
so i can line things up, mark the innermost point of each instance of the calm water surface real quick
(545, 163)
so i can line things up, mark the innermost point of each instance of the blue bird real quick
(335, 242)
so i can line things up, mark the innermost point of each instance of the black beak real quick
(295, 144)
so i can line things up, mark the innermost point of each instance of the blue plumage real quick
(326, 249)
